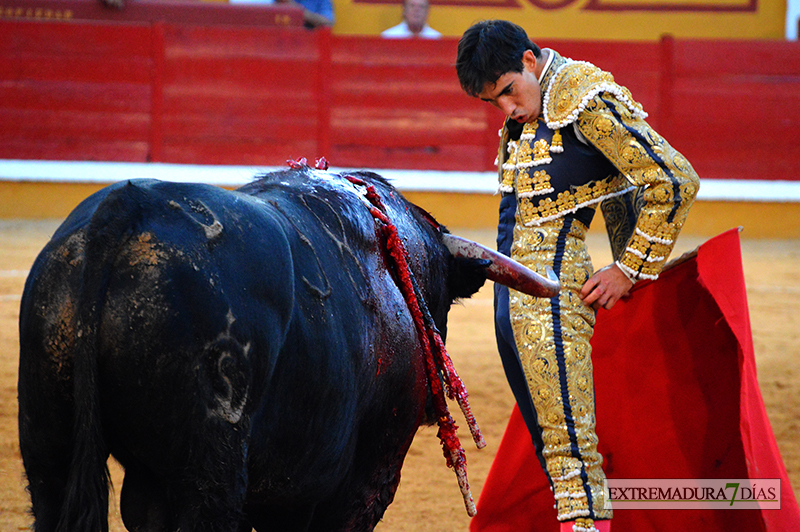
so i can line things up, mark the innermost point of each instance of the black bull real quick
(246, 356)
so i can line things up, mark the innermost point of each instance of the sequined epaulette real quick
(574, 85)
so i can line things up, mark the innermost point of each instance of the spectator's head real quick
(489, 49)
(415, 13)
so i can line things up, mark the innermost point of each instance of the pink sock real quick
(603, 526)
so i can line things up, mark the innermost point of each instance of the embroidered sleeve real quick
(646, 160)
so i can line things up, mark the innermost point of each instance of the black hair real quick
(489, 49)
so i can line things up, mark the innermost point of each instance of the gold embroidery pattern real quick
(522, 156)
(518, 174)
(533, 184)
(526, 149)
(532, 321)
(524, 153)
(546, 209)
(558, 145)
(541, 151)
(574, 85)
(654, 236)
(509, 167)
(529, 130)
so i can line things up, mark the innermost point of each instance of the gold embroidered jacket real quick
(580, 101)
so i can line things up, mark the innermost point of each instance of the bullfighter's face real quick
(517, 94)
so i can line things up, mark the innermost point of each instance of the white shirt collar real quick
(550, 56)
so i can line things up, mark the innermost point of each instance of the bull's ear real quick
(467, 275)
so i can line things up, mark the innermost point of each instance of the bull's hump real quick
(310, 181)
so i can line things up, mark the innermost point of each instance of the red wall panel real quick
(74, 91)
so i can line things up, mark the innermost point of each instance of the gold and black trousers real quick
(544, 345)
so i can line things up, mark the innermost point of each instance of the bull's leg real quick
(198, 492)
(151, 503)
(359, 504)
(47, 495)
(143, 501)
(210, 493)
(45, 439)
(203, 494)
(210, 510)
(280, 518)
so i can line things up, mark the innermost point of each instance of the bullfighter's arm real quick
(646, 160)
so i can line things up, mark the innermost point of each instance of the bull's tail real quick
(86, 498)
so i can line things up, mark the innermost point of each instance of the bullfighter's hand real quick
(605, 287)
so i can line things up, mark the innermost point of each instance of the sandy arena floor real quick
(428, 499)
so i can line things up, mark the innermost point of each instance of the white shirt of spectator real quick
(401, 31)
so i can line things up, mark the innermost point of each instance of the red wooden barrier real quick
(162, 90)
(738, 107)
(239, 95)
(75, 90)
(399, 105)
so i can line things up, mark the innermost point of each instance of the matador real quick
(573, 139)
